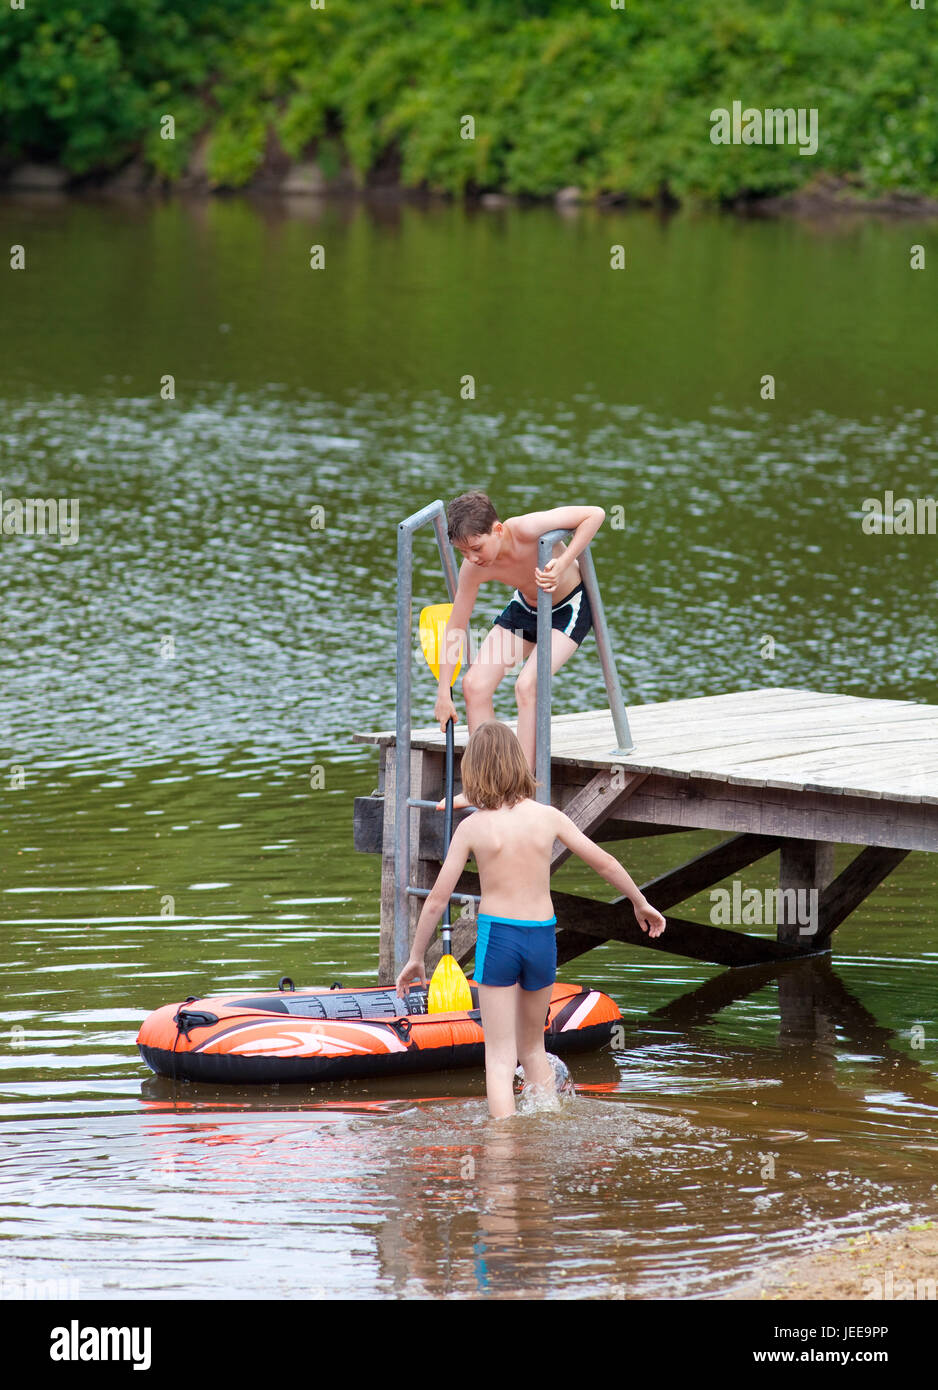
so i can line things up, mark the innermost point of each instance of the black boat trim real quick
(232, 1069)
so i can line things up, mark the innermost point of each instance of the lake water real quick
(169, 681)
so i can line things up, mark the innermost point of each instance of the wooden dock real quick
(792, 771)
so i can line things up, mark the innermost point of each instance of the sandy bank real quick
(877, 1266)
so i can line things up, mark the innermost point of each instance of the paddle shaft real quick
(431, 639)
(448, 827)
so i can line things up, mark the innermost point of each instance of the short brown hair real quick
(494, 769)
(472, 514)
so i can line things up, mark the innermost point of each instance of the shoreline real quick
(826, 195)
(877, 1266)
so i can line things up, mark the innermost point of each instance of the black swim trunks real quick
(571, 615)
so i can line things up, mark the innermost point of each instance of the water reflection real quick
(633, 1190)
(820, 1022)
(169, 681)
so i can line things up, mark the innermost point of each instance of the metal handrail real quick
(435, 513)
(620, 719)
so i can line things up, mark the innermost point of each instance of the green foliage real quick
(561, 91)
(236, 149)
(84, 82)
(169, 158)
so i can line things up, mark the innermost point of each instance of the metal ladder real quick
(403, 801)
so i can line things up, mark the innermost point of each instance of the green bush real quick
(84, 82)
(562, 91)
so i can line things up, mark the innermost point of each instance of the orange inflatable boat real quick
(332, 1034)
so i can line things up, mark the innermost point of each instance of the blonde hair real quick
(494, 769)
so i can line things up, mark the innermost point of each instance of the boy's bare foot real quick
(460, 802)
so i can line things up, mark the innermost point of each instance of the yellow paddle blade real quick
(449, 991)
(433, 620)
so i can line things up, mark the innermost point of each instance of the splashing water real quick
(536, 1098)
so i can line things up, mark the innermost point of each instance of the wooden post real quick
(426, 775)
(425, 771)
(806, 867)
(386, 934)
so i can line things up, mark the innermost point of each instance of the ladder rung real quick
(431, 805)
(453, 897)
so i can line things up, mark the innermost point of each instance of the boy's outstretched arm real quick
(584, 522)
(649, 918)
(433, 905)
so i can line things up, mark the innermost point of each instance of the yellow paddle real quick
(433, 620)
(449, 989)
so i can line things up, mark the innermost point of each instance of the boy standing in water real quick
(516, 948)
(507, 551)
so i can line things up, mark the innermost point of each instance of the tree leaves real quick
(561, 91)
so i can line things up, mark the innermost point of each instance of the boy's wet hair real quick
(494, 769)
(472, 514)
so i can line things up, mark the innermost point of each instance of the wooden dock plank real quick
(778, 738)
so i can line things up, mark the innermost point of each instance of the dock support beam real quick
(804, 866)
(864, 873)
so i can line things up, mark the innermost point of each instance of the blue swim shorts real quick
(513, 951)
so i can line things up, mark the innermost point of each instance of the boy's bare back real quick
(512, 847)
